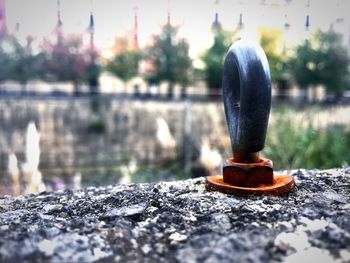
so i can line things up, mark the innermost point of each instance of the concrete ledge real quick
(181, 222)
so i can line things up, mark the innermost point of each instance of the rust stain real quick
(281, 185)
(250, 178)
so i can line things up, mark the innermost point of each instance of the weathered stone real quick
(180, 222)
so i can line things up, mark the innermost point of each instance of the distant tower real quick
(286, 24)
(136, 30)
(92, 70)
(168, 18)
(307, 20)
(240, 22)
(92, 31)
(216, 20)
(58, 29)
(3, 22)
(307, 23)
(216, 23)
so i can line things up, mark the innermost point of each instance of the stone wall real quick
(73, 135)
(181, 222)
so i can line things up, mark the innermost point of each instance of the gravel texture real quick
(181, 222)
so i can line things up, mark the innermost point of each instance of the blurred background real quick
(115, 91)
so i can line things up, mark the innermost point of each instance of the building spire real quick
(169, 14)
(58, 29)
(92, 31)
(240, 21)
(216, 19)
(307, 23)
(216, 16)
(3, 20)
(307, 19)
(136, 30)
(59, 21)
(91, 27)
(286, 24)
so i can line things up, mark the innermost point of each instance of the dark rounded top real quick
(247, 96)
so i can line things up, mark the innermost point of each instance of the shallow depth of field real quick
(86, 103)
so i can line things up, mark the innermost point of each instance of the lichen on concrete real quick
(181, 222)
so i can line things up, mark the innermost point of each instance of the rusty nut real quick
(248, 174)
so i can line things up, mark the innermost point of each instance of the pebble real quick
(177, 237)
(126, 210)
(48, 209)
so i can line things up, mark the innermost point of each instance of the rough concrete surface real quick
(181, 222)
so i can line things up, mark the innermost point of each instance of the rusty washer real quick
(247, 100)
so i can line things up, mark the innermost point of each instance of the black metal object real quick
(247, 100)
(247, 96)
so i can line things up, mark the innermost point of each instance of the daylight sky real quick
(115, 17)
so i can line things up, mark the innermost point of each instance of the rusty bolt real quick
(248, 174)
(247, 99)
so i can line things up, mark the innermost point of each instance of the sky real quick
(116, 17)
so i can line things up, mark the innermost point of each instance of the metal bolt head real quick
(248, 174)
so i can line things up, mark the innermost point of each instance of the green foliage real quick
(183, 70)
(168, 59)
(17, 61)
(304, 65)
(5, 59)
(97, 125)
(213, 57)
(323, 60)
(334, 62)
(125, 64)
(270, 41)
(25, 65)
(63, 60)
(291, 145)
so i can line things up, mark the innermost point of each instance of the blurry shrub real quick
(97, 125)
(271, 41)
(66, 59)
(18, 62)
(292, 145)
(168, 59)
(125, 62)
(213, 57)
(322, 60)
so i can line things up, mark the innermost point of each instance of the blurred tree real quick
(17, 61)
(304, 67)
(65, 60)
(271, 42)
(24, 66)
(6, 60)
(93, 71)
(333, 62)
(183, 70)
(213, 57)
(125, 63)
(323, 60)
(168, 59)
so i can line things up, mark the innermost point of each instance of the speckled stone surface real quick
(181, 222)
